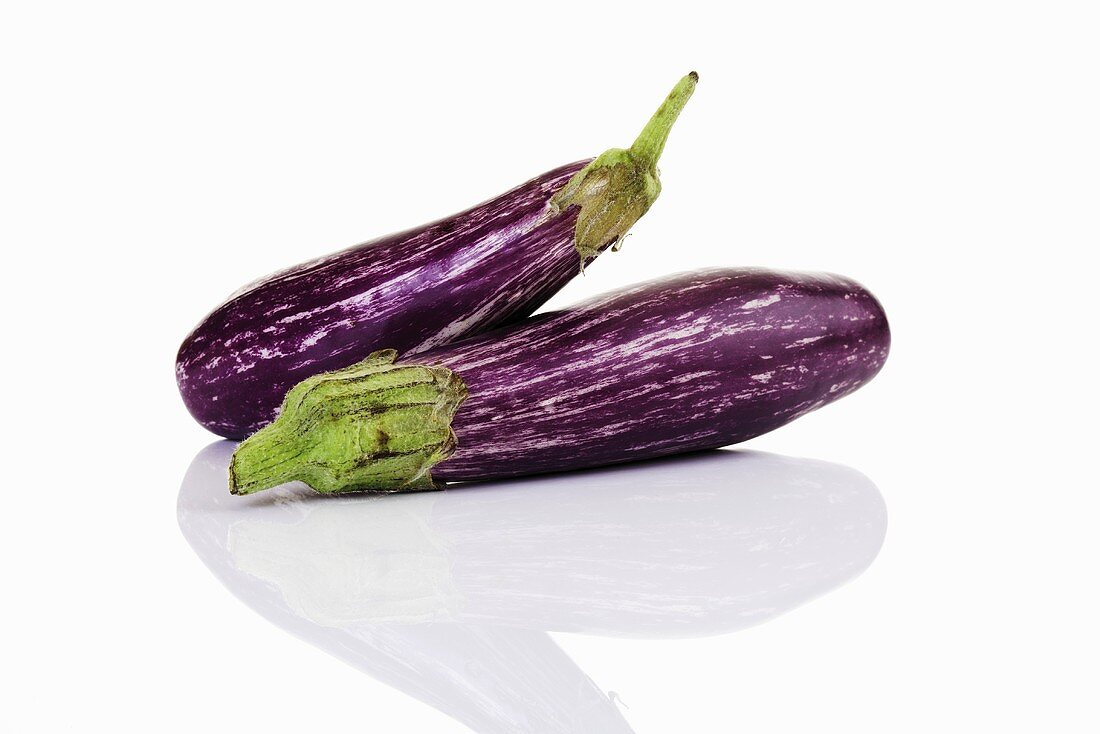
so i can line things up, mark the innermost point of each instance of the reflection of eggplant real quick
(492, 679)
(418, 589)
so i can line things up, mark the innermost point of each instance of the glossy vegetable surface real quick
(417, 289)
(694, 361)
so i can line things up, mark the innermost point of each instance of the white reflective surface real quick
(157, 156)
(448, 596)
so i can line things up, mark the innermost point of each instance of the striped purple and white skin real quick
(693, 361)
(414, 290)
(409, 291)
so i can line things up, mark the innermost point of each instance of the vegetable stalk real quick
(616, 189)
(374, 425)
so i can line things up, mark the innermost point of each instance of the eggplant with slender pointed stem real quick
(421, 288)
(690, 362)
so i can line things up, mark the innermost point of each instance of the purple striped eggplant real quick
(417, 289)
(694, 361)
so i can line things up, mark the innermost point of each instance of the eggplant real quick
(414, 290)
(689, 362)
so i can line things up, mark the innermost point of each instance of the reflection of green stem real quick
(616, 190)
(374, 425)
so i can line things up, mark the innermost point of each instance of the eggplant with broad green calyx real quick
(694, 361)
(417, 289)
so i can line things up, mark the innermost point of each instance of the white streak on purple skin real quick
(694, 361)
(410, 291)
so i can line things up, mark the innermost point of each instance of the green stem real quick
(616, 189)
(650, 143)
(267, 459)
(373, 426)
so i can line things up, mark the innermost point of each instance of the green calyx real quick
(373, 426)
(616, 189)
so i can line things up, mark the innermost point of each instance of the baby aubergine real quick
(693, 361)
(417, 289)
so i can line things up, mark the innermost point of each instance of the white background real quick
(156, 156)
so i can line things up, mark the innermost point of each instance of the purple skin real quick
(418, 289)
(410, 291)
(694, 361)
